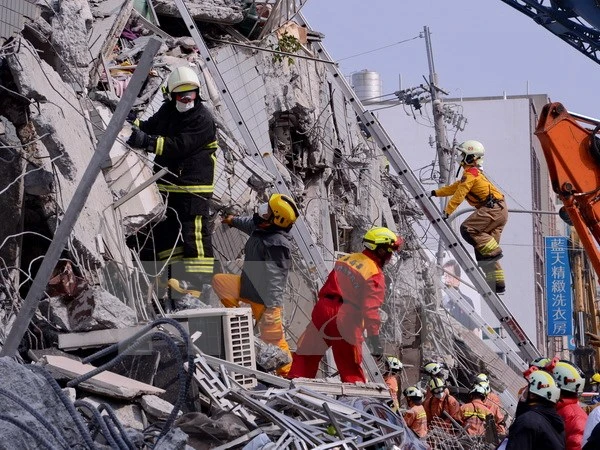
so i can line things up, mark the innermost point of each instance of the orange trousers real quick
(269, 320)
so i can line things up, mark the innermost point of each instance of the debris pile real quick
(63, 70)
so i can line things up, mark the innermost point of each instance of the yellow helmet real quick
(284, 209)
(381, 236)
(595, 378)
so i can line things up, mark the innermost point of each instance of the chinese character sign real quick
(558, 287)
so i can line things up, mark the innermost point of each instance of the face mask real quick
(439, 395)
(263, 210)
(183, 107)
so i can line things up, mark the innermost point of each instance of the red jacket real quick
(358, 283)
(574, 417)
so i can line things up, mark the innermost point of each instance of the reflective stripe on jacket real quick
(416, 420)
(185, 144)
(473, 186)
(473, 416)
(358, 283)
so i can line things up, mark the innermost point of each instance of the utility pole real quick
(441, 144)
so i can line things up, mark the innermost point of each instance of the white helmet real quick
(183, 79)
(413, 391)
(472, 151)
(543, 385)
(432, 368)
(568, 377)
(393, 364)
(540, 363)
(479, 389)
(436, 384)
(482, 377)
(485, 385)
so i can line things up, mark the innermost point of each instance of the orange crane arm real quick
(573, 156)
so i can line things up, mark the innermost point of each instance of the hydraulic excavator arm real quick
(572, 152)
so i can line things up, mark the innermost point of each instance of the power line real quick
(381, 48)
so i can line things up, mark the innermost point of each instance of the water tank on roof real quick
(367, 85)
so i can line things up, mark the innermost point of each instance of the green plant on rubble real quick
(288, 44)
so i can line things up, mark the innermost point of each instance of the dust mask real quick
(184, 101)
(439, 395)
(183, 107)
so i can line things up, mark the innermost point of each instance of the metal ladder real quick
(412, 184)
(264, 157)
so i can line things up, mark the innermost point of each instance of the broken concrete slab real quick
(70, 26)
(105, 383)
(226, 12)
(156, 407)
(38, 397)
(97, 338)
(97, 309)
(130, 415)
(64, 140)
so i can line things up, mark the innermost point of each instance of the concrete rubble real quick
(62, 73)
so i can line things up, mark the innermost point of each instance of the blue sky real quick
(480, 47)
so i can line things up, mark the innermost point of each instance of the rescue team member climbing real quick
(266, 266)
(348, 304)
(183, 136)
(483, 228)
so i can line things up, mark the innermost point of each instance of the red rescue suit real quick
(348, 304)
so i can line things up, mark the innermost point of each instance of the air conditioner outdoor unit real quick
(227, 333)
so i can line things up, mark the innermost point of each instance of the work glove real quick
(374, 344)
(132, 117)
(228, 220)
(432, 194)
(138, 139)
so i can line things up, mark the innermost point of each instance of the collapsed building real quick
(64, 68)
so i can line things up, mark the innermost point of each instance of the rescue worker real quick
(266, 266)
(415, 417)
(474, 412)
(183, 136)
(595, 385)
(492, 402)
(538, 425)
(348, 304)
(393, 367)
(570, 380)
(482, 229)
(440, 401)
(433, 369)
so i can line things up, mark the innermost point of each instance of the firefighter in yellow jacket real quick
(483, 228)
